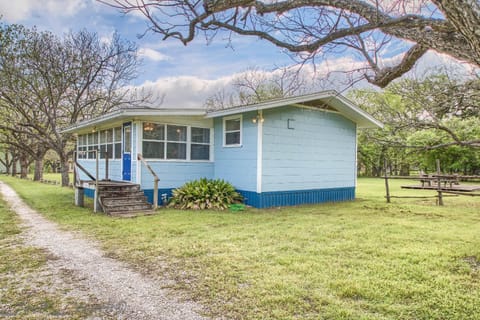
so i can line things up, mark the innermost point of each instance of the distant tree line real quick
(436, 118)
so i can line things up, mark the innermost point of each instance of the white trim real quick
(238, 145)
(259, 151)
(212, 144)
(126, 115)
(139, 147)
(187, 142)
(356, 157)
(331, 97)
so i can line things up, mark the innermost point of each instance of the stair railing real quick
(156, 179)
(94, 179)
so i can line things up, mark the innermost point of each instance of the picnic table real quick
(439, 178)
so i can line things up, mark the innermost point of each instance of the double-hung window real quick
(82, 146)
(92, 144)
(175, 142)
(232, 131)
(200, 144)
(107, 142)
(153, 140)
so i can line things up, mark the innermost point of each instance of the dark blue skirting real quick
(272, 199)
(297, 197)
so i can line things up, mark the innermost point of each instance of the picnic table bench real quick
(439, 178)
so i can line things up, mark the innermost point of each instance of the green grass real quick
(354, 260)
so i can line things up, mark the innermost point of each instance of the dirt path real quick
(130, 294)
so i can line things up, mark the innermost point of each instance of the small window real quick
(117, 147)
(127, 139)
(232, 131)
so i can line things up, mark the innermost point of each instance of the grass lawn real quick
(354, 260)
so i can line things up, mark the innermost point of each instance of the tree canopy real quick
(369, 29)
(48, 82)
(436, 118)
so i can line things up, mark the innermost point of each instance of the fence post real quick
(387, 189)
(439, 184)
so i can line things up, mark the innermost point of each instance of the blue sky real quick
(186, 75)
(167, 58)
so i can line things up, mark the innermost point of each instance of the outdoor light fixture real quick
(258, 117)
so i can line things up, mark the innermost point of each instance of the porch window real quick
(92, 141)
(117, 142)
(82, 146)
(106, 144)
(232, 131)
(200, 144)
(175, 142)
(153, 140)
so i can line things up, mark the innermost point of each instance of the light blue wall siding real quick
(237, 165)
(173, 174)
(114, 169)
(318, 153)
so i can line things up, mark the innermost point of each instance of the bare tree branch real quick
(309, 28)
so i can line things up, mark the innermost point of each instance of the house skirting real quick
(297, 197)
(273, 199)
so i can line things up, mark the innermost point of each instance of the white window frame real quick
(98, 144)
(188, 142)
(225, 119)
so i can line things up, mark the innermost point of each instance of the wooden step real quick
(123, 199)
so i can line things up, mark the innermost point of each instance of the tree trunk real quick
(64, 170)
(38, 173)
(23, 167)
(14, 167)
(405, 170)
(39, 155)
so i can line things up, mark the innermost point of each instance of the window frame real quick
(224, 131)
(209, 143)
(89, 145)
(187, 142)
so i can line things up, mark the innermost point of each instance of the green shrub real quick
(205, 194)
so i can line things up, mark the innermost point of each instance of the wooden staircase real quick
(123, 199)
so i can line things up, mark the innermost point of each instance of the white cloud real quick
(18, 10)
(337, 74)
(152, 54)
(186, 91)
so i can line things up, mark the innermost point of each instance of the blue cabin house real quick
(282, 152)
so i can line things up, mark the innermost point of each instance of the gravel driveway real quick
(131, 294)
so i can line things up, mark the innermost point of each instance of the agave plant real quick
(205, 193)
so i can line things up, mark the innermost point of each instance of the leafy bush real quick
(205, 194)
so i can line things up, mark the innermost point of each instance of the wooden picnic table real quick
(439, 178)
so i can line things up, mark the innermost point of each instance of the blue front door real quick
(127, 152)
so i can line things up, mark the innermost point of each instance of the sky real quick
(185, 75)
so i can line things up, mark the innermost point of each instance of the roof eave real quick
(131, 113)
(362, 118)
